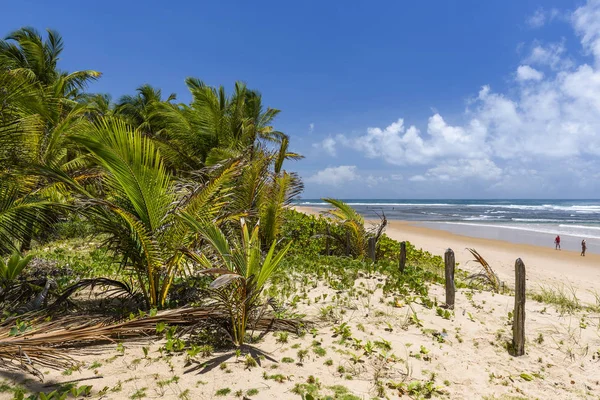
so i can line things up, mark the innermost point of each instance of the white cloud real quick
(417, 178)
(549, 55)
(541, 16)
(586, 21)
(399, 145)
(465, 169)
(311, 127)
(526, 73)
(343, 174)
(327, 145)
(334, 176)
(538, 18)
(372, 180)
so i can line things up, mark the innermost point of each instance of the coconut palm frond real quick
(36, 345)
(354, 224)
(487, 275)
(282, 189)
(111, 288)
(19, 211)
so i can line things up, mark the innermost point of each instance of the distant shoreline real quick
(545, 265)
(518, 224)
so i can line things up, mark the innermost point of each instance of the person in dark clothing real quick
(557, 242)
(583, 247)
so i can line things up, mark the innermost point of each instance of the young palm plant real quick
(12, 268)
(354, 224)
(242, 274)
(142, 210)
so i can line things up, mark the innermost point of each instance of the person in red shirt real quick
(557, 243)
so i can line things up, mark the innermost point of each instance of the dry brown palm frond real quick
(38, 346)
(487, 274)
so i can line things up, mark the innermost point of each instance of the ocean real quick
(521, 221)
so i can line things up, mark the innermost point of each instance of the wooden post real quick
(347, 243)
(372, 247)
(519, 314)
(449, 273)
(402, 256)
(327, 242)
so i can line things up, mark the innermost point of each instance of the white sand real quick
(471, 362)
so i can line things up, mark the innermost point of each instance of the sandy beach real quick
(394, 347)
(545, 265)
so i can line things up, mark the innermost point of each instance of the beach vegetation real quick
(223, 392)
(563, 297)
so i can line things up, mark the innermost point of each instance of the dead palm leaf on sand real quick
(42, 344)
(486, 275)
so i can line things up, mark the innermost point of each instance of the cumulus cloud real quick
(399, 145)
(526, 73)
(334, 176)
(552, 119)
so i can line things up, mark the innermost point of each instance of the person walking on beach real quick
(557, 243)
(583, 247)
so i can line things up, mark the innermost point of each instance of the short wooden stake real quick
(402, 262)
(449, 274)
(372, 247)
(519, 314)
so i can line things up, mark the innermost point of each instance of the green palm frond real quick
(283, 188)
(136, 171)
(18, 211)
(353, 222)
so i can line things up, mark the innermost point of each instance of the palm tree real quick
(26, 50)
(98, 105)
(214, 126)
(138, 110)
(242, 273)
(145, 210)
(43, 112)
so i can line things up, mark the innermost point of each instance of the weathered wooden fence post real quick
(347, 243)
(402, 262)
(449, 274)
(327, 242)
(519, 314)
(372, 248)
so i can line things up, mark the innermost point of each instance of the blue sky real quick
(427, 99)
